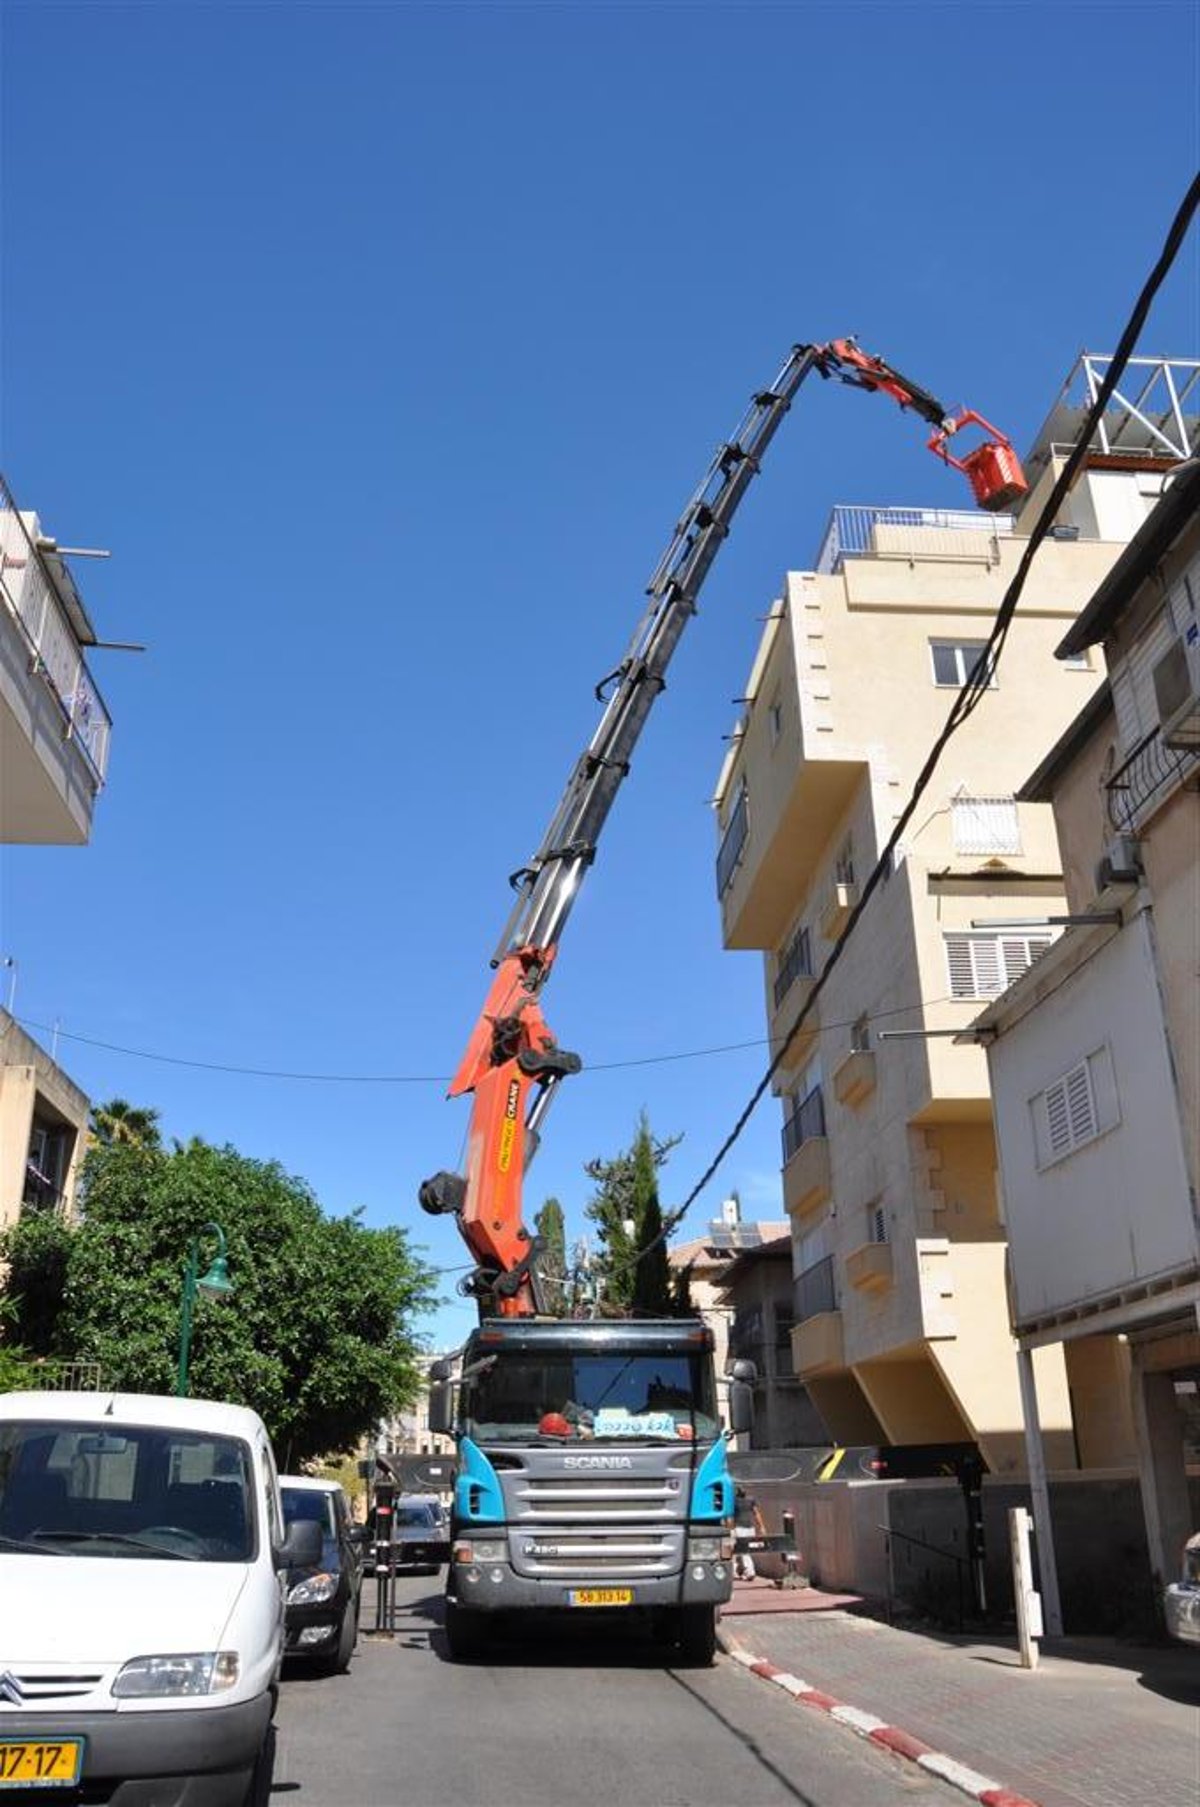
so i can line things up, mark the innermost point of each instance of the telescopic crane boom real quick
(512, 1063)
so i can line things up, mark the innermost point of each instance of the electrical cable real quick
(442, 1079)
(973, 689)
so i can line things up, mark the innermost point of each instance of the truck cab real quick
(592, 1476)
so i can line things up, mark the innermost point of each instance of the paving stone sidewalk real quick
(1097, 1724)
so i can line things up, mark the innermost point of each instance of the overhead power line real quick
(442, 1079)
(968, 698)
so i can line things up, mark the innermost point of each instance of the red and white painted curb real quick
(877, 1731)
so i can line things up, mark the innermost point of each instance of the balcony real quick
(733, 842)
(869, 1267)
(806, 1181)
(817, 1333)
(959, 534)
(1152, 771)
(817, 1345)
(54, 727)
(854, 1077)
(788, 805)
(806, 1177)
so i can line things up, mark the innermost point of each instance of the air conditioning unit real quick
(1176, 678)
(1121, 864)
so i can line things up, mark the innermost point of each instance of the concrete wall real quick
(842, 1532)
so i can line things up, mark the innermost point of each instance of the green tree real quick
(682, 1303)
(552, 1263)
(317, 1336)
(17, 1369)
(626, 1190)
(119, 1123)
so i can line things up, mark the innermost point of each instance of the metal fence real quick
(29, 596)
(816, 1290)
(69, 1377)
(956, 533)
(795, 964)
(807, 1119)
(1151, 770)
(733, 843)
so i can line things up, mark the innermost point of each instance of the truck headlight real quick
(204, 1672)
(704, 1549)
(477, 1550)
(312, 1590)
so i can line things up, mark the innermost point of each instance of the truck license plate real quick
(600, 1596)
(40, 1762)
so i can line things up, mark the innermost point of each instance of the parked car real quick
(142, 1545)
(323, 1597)
(420, 1534)
(1182, 1599)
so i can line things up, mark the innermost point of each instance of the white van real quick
(141, 1602)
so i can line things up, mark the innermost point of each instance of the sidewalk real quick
(1097, 1724)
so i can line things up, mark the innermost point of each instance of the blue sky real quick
(382, 345)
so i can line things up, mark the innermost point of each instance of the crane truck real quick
(592, 1468)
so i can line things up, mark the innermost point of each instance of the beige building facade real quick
(43, 1128)
(1095, 1054)
(888, 1156)
(54, 743)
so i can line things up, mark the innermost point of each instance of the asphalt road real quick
(583, 1716)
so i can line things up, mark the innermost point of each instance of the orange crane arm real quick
(512, 1064)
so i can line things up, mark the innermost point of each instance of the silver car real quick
(1181, 1602)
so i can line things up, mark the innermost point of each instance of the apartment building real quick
(888, 1159)
(707, 1260)
(1095, 1053)
(54, 742)
(758, 1285)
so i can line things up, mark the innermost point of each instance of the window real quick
(877, 1223)
(1075, 1109)
(775, 720)
(985, 825)
(733, 842)
(860, 1035)
(982, 966)
(843, 871)
(954, 661)
(795, 962)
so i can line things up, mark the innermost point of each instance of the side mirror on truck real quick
(742, 1376)
(441, 1407)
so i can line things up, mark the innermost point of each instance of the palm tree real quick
(121, 1124)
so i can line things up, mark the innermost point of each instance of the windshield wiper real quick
(23, 1543)
(118, 1537)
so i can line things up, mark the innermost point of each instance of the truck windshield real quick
(120, 1490)
(604, 1397)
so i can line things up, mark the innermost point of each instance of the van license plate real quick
(600, 1596)
(40, 1763)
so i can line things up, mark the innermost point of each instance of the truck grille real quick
(573, 1526)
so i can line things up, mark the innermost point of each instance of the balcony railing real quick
(807, 1119)
(956, 533)
(29, 596)
(733, 843)
(795, 964)
(816, 1290)
(1151, 770)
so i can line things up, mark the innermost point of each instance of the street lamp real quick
(216, 1282)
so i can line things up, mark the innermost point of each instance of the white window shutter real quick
(1081, 1107)
(1058, 1123)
